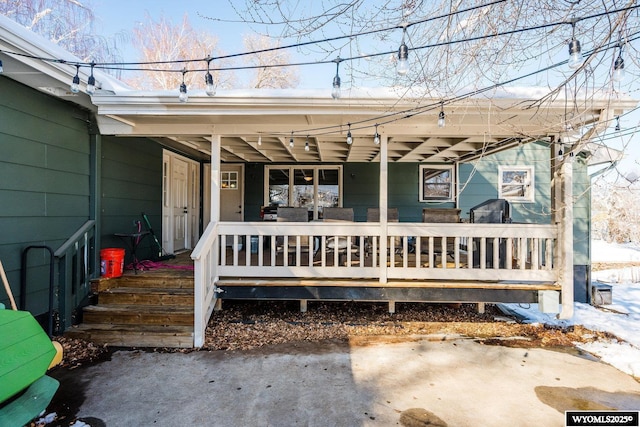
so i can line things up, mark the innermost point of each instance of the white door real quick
(231, 189)
(181, 203)
(179, 199)
(231, 194)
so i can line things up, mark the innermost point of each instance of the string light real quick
(259, 139)
(441, 116)
(306, 144)
(335, 92)
(617, 128)
(618, 67)
(91, 82)
(349, 137)
(376, 136)
(75, 83)
(575, 52)
(291, 140)
(403, 55)
(183, 97)
(210, 88)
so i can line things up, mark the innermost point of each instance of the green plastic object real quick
(25, 352)
(29, 404)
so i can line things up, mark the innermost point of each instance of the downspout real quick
(95, 187)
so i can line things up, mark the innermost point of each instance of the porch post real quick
(563, 184)
(384, 191)
(215, 178)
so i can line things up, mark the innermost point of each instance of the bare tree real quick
(269, 74)
(455, 46)
(68, 23)
(615, 217)
(176, 48)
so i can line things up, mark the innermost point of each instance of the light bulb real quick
(618, 69)
(91, 85)
(183, 97)
(349, 136)
(335, 93)
(75, 84)
(210, 88)
(403, 63)
(441, 119)
(575, 54)
(306, 146)
(259, 139)
(291, 140)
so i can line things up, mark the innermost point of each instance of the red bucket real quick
(111, 262)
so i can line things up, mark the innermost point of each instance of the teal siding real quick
(131, 184)
(581, 212)
(361, 185)
(44, 182)
(253, 191)
(478, 182)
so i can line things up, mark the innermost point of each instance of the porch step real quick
(134, 335)
(147, 296)
(138, 314)
(178, 280)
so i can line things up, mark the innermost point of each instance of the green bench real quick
(26, 353)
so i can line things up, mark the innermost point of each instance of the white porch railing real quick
(473, 252)
(205, 259)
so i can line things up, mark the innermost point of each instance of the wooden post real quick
(384, 191)
(303, 306)
(392, 307)
(562, 200)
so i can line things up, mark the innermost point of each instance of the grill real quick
(492, 211)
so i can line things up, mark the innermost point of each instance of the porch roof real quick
(474, 126)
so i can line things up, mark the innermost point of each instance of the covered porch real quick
(374, 260)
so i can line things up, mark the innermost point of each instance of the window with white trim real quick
(436, 183)
(516, 183)
(313, 187)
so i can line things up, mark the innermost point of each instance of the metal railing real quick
(75, 261)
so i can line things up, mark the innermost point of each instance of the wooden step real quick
(181, 281)
(147, 296)
(138, 314)
(134, 335)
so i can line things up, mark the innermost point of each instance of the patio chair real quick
(373, 215)
(292, 214)
(336, 214)
(439, 215)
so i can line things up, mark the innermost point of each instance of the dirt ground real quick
(251, 325)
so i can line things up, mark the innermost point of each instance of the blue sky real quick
(119, 16)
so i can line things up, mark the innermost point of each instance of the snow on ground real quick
(622, 318)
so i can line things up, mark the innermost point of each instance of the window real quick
(436, 183)
(229, 180)
(313, 187)
(516, 183)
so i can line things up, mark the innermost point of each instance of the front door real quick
(181, 203)
(231, 189)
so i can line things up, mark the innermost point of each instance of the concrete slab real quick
(374, 382)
